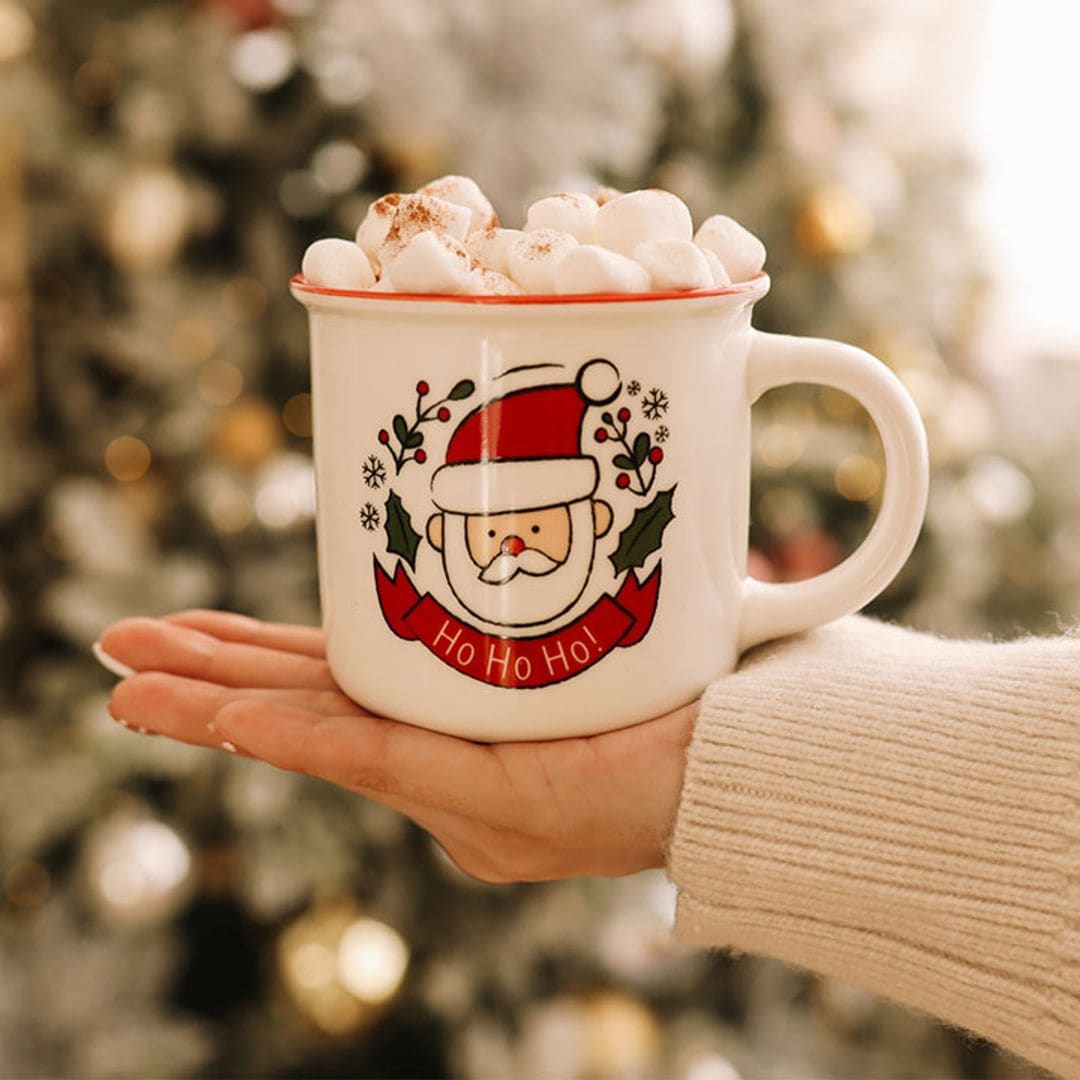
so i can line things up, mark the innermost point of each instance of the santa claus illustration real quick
(518, 522)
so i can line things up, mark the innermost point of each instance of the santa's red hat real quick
(522, 451)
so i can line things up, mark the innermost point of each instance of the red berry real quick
(421, 456)
(384, 436)
(422, 388)
(656, 455)
(600, 435)
(624, 414)
(443, 414)
(622, 480)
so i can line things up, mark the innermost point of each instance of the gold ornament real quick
(833, 222)
(248, 433)
(624, 1037)
(297, 415)
(220, 382)
(858, 478)
(127, 458)
(340, 967)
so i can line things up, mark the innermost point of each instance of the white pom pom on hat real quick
(598, 382)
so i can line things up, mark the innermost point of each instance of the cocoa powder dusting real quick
(387, 205)
(416, 215)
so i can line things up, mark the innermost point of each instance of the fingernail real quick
(122, 723)
(110, 663)
(226, 745)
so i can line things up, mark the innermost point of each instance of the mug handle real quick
(771, 610)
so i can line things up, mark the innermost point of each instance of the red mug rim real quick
(736, 288)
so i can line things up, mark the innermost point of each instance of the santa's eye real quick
(491, 533)
(536, 528)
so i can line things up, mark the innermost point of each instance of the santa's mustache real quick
(505, 566)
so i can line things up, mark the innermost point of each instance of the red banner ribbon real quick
(519, 663)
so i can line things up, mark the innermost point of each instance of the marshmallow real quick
(430, 263)
(675, 264)
(464, 191)
(534, 257)
(720, 277)
(422, 213)
(488, 248)
(593, 269)
(337, 264)
(572, 212)
(605, 194)
(376, 224)
(642, 216)
(741, 252)
(492, 283)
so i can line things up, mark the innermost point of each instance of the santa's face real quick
(522, 568)
(520, 542)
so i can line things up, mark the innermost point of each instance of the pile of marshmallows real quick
(445, 239)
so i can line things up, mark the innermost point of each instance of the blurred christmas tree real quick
(165, 911)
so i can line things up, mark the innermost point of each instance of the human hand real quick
(526, 811)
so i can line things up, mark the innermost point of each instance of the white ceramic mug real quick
(533, 512)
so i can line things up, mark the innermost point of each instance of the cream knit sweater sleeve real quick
(902, 812)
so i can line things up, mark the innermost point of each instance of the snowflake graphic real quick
(633, 388)
(654, 404)
(374, 472)
(661, 434)
(369, 517)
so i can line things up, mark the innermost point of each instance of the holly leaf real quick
(621, 461)
(401, 538)
(414, 440)
(401, 429)
(641, 448)
(462, 390)
(645, 533)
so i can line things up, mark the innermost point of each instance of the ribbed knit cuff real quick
(901, 812)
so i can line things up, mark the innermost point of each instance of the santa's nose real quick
(512, 545)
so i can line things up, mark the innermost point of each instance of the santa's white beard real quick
(526, 598)
(505, 567)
